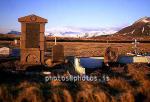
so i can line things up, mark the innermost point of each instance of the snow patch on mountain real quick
(144, 20)
(80, 32)
(142, 29)
(133, 31)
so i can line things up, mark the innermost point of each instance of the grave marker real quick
(5, 51)
(58, 53)
(32, 39)
(110, 55)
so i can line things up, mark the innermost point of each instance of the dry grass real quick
(86, 49)
(30, 94)
(56, 91)
(92, 92)
(93, 96)
(127, 96)
(55, 83)
(136, 71)
(26, 84)
(100, 96)
(5, 95)
(145, 88)
(85, 85)
(119, 84)
(117, 89)
(60, 95)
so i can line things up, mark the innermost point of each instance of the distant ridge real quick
(138, 29)
(14, 32)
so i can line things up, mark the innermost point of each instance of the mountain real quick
(140, 28)
(14, 32)
(80, 32)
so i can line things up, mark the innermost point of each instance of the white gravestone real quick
(5, 51)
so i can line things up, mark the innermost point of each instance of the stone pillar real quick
(32, 40)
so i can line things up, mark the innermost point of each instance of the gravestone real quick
(110, 55)
(5, 51)
(58, 53)
(32, 41)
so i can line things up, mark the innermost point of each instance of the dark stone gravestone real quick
(111, 55)
(58, 53)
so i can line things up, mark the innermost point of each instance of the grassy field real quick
(131, 85)
(86, 49)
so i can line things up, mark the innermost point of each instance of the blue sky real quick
(74, 13)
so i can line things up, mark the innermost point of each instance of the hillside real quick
(140, 30)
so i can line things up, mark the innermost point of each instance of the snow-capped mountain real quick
(80, 32)
(139, 28)
(143, 20)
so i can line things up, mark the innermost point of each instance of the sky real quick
(73, 13)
